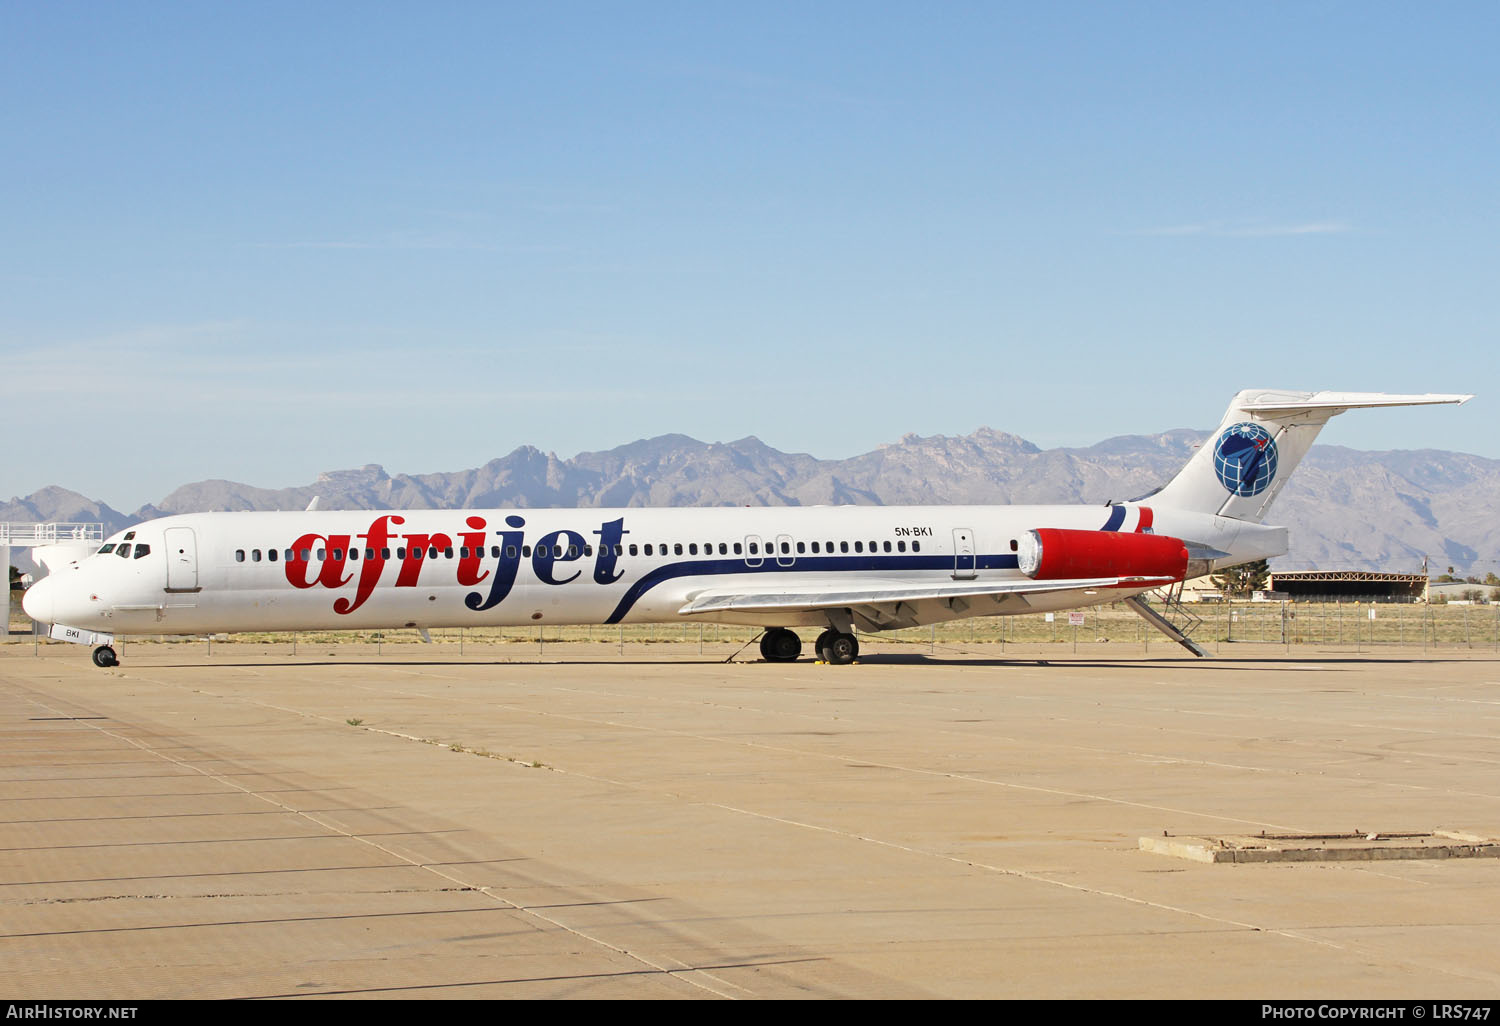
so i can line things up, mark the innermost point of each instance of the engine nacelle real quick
(1055, 554)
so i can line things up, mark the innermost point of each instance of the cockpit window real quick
(123, 551)
(106, 550)
(129, 535)
(142, 550)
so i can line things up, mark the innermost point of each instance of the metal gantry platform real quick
(35, 535)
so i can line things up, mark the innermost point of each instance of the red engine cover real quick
(1054, 554)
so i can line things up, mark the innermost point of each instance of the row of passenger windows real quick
(572, 551)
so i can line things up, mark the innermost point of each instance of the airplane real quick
(833, 569)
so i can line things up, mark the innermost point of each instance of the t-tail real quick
(1241, 469)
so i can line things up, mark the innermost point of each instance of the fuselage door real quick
(182, 559)
(963, 554)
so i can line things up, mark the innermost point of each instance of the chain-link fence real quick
(1281, 623)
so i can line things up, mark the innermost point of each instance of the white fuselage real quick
(220, 572)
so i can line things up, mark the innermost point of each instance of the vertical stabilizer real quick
(1242, 467)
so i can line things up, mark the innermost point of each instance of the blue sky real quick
(256, 242)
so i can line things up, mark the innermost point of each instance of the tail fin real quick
(1240, 470)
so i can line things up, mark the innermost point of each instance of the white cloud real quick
(1250, 230)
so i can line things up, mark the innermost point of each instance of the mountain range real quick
(1347, 509)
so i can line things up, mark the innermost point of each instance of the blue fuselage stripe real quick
(801, 564)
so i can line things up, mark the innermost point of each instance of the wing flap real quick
(814, 597)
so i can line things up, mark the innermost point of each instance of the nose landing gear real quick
(104, 657)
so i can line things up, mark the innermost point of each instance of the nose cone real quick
(39, 600)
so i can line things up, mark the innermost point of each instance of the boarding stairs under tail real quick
(1171, 617)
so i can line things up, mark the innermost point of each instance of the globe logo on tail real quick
(1245, 459)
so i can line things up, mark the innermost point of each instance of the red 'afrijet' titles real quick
(336, 569)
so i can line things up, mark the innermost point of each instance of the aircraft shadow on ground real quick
(1282, 663)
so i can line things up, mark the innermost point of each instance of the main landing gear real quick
(104, 657)
(837, 648)
(780, 645)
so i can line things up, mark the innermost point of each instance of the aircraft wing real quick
(885, 596)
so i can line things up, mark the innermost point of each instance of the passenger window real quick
(754, 549)
(448, 553)
(887, 546)
(648, 548)
(692, 548)
(801, 548)
(723, 549)
(385, 553)
(843, 546)
(526, 551)
(322, 555)
(255, 555)
(572, 551)
(305, 555)
(1013, 545)
(338, 554)
(738, 549)
(353, 553)
(271, 555)
(677, 548)
(634, 550)
(916, 546)
(901, 546)
(239, 555)
(510, 552)
(859, 546)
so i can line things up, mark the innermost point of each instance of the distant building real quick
(1460, 592)
(1350, 585)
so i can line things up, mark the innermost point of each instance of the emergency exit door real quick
(963, 554)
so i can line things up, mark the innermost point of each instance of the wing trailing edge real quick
(816, 597)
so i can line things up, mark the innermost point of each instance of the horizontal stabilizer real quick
(1290, 402)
